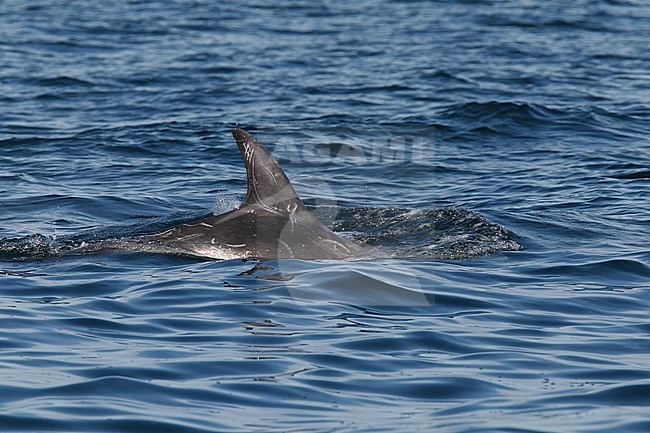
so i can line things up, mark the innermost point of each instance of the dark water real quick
(439, 130)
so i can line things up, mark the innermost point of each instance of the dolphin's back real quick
(272, 222)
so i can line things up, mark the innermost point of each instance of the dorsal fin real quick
(268, 186)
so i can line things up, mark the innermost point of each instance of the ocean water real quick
(497, 151)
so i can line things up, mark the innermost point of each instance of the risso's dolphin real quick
(272, 222)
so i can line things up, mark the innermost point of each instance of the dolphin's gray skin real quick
(272, 222)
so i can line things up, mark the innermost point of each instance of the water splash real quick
(445, 233)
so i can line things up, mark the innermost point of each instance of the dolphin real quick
(271, 223)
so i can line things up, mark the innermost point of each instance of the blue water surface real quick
(448, 132)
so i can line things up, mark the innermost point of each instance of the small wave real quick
(353, 90)
(443, 75)
(628, 394)
(64, 81)
(510, 118)
(597, 22)
(516, 119)
(21, 143)
(633, 175)
(482, 111)
(616, 269)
